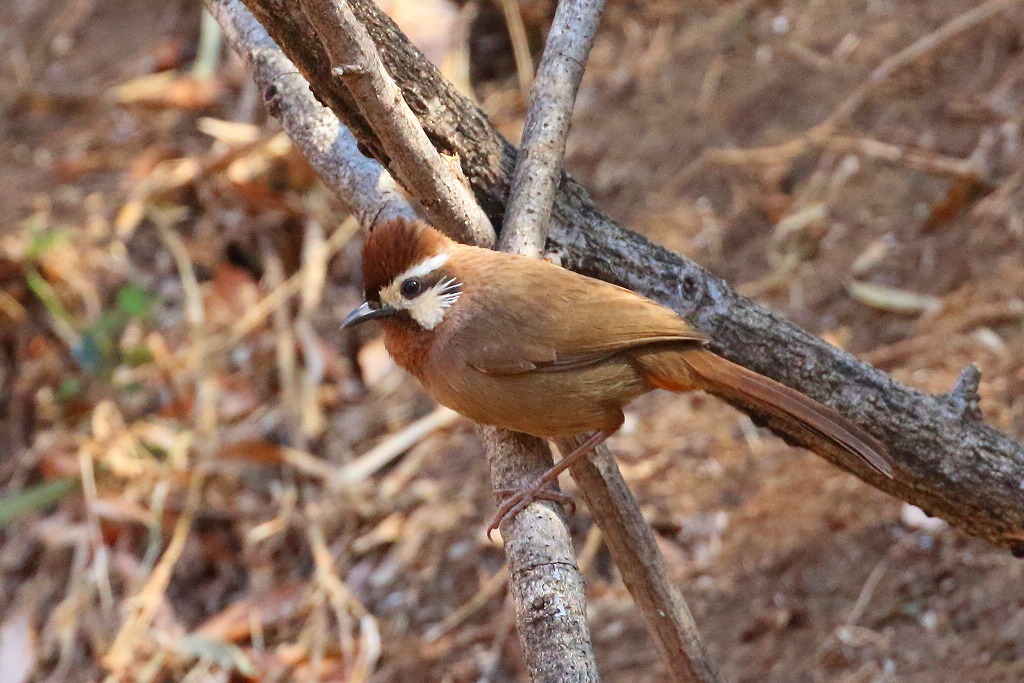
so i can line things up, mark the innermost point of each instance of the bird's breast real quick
(550, 404)
(409, 346)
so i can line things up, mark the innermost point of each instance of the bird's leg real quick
(515, 501)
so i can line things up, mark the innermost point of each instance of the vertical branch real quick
(548, 117)
(534, 185)
(546, 584)
(525, 231)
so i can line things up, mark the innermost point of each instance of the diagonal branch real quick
(632, 545)
(539, 165)
(355, 62)
(525, 230)
(367, 190)
(953, 466)
(546, 583)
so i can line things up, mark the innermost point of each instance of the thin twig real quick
(490, 588)
(552, 96)
(366, 189)
(525, 230)
(632, 545)
(361, 664)
(379, 456)
(285, 353)
(538, 545)
(446, 199)
(867, 591)
(101, 556)
(316, 255)
(520, 43)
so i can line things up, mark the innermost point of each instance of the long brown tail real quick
(702, 369)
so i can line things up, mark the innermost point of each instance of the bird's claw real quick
(515, 501)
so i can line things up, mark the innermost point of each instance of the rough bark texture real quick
(546, 583)
(953, 465)
(547, 586)
(355, 62)
(539, 167)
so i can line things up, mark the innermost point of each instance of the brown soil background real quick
(795, 571)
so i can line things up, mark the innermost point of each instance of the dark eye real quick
(411, 288)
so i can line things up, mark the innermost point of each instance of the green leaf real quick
(134, 301)
(43, 241)
(34, 498)
(45, 293)
(137, 355)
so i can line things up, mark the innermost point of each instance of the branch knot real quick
(347, 70)
(963, 399)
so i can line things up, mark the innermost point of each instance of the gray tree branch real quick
(952, 465)
(361, 184)
(525, 231)
(548, 117)
(356, 64)
(632, 545)
(547, 586)
(539, 167)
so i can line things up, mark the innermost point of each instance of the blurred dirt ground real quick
(202, 479)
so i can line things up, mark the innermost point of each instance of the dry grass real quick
(202, 479)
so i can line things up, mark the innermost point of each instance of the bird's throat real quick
(409, 344)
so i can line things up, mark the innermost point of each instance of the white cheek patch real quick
(429, 308)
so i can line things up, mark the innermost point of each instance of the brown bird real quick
(523, 344)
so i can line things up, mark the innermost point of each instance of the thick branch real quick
(525, 231)
(354, 62)
(959, 469)
(546, 583)
(366, 189)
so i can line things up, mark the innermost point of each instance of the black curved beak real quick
(365, 313)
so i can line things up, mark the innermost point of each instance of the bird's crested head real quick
(405, 274)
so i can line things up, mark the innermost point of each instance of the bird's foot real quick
(515, 501)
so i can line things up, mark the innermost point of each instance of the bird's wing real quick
(554, 319)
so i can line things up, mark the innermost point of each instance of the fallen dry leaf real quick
(168, 90)
(235, 622)
(892, 299)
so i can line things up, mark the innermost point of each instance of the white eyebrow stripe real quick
(428, 307)
(425, 267)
